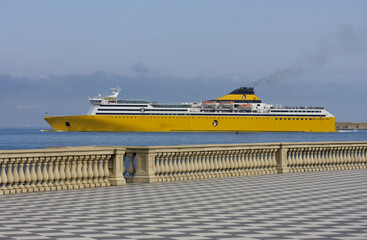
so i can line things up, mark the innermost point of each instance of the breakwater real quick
(350, 125)
(62, 168)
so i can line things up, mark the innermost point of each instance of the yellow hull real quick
(161, 123)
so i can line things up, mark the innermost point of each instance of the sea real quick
(38, 138)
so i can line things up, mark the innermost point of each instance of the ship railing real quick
(281, 107)
(66, 168)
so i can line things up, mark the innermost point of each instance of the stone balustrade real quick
(326, 157)
(51, 169)
(55, 169)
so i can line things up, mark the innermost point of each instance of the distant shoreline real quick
(350, 125)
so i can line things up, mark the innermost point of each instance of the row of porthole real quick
(300, 118)
(257, 118)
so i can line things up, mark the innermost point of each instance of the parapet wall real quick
(23, 171)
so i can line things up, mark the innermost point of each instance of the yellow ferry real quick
(240, 110)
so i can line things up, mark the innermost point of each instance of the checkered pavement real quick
(317, 205)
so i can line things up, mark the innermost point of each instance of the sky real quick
(56, 54)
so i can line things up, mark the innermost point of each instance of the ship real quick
(238, 111)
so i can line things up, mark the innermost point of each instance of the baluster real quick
(255, 163)
(131, 169)
(241, 162)
(79, 172)
(39, 174)
(4, 179)
(192, 165)
(317, 161)
(352, 156)
(157, 166)
(9, 176)
(204, 172)
(360, 157)
(33, 174)
(261, 161)
(226, 164)
(185, 165)
(45, 174)
(234, 163)
(211, 164)
(181, 166)
(1, 191)
(298, 159)
(196, 165)
(293, 160)
(171, 158)
(311, 159)
(338, 165)
(85, 172)
(364, 156)
(347, 158)
(124, 167)
(329, 159)
(219, 160)
(251, 164)
(267, 161)
(106, 171)
(90, 171)
(230, 164)
(62, 173)
(51, 174)
(323, 160)
(73, 174)
(356, 157)
(15, 162)
(68, 172)
(339, 160)
(221, 166)
(57, 177)
(96, 171)
(274, 160)
(246, 162)
(304, 160)
(28, 177)
(333, 164)
(162, 167)
(101, 171)
(307, 155)
(199, 166)
(21, 175)
(166, 167)
(178, 167)
(215, 164)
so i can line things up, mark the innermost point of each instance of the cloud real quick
(345, 40)
(141, 69)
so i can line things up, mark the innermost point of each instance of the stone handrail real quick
(85, 167)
